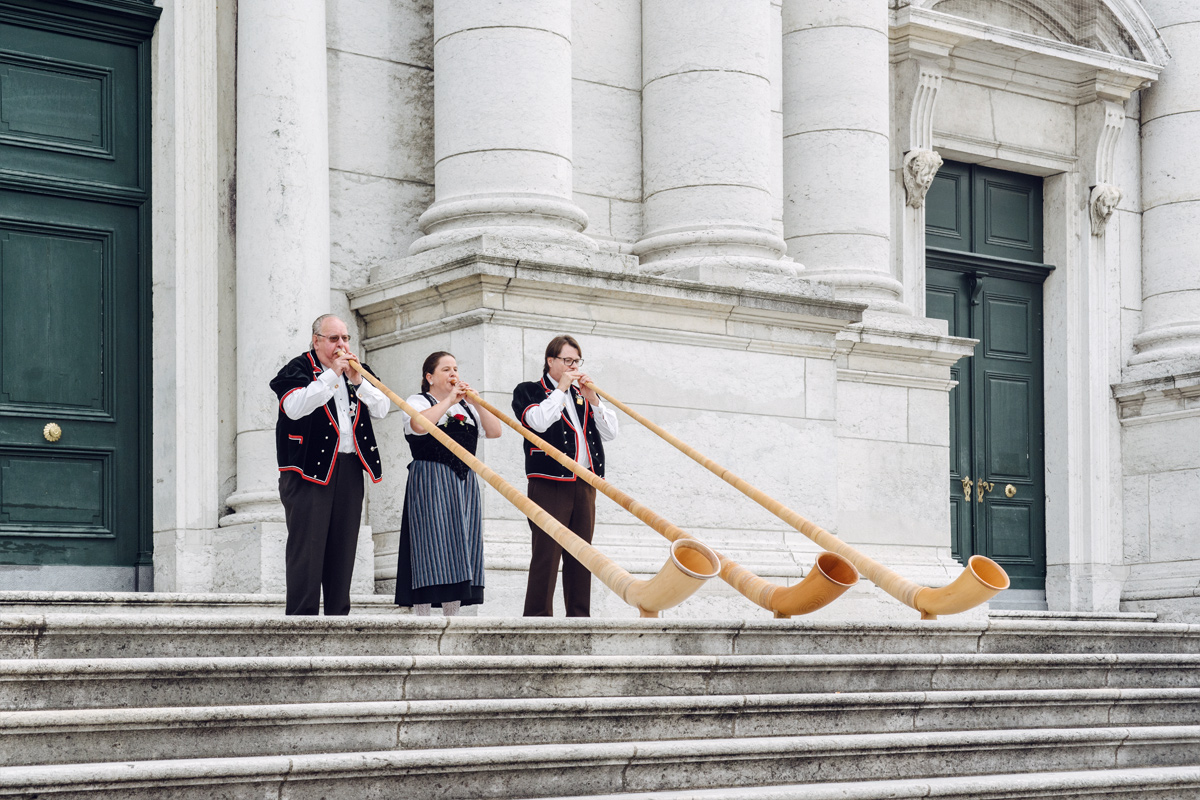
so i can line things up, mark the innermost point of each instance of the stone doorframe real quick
(1085, 568)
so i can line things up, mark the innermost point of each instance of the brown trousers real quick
(573, 503)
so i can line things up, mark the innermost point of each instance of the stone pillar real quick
(1171, 199)
(186, 257)
(835, 147)
(706, 139)
(282, 250)
(502, 124)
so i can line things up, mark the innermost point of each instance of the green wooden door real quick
(74, 316)
(980, 282)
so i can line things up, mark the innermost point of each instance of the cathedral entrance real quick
(984, 277)
(74, 295)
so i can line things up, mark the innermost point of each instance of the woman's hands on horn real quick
(491, 426)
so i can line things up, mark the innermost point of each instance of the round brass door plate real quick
(52, 432)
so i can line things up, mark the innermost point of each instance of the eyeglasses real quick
(570, 362)
(335, 339)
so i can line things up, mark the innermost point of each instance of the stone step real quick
(32, 684)
(160, 635)
(592, 769)
(37, 603)
(141, 734)
(1152, 783)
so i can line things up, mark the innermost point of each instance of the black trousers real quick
(573, 503)
(322, 523)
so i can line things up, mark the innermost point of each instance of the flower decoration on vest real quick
(459, 418)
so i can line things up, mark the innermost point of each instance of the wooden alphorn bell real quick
(831, 576)
(690, 564)
(979, 582)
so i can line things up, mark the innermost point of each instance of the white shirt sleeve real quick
(376, 401)
(299, 403)
(545, 413)
(606, 421)
(419, 403)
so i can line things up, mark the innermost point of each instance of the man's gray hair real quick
(317, 323)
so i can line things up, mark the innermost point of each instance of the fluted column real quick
(282, 223)
(706, 128)
(836, 182)
(1171, 194)
(502, 124)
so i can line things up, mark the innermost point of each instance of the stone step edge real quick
(214, 666)
(137, 774)
(41, 721)
(42, 602)
(1010, 787)
(54, 622)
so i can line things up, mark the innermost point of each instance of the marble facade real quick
(722, 200)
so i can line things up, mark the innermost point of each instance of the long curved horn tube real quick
(689, 566)
(979, 582)
(830, 577)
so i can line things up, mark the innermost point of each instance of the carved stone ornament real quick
(920, 166)
(1101, 204)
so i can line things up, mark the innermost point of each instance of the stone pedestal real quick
(502, 124)
(752, 378)
(706, 134)
(836, 210)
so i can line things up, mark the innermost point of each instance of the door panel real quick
(996, 419)
(74, 312)
(64, 301)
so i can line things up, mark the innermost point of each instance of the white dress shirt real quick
(300, 404)
(420, 403)
(544, 414)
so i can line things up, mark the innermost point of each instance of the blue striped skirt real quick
(444, 525)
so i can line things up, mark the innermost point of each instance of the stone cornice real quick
(1000, 58)
(528, 284)
(1159, 399)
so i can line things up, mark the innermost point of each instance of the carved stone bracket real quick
(920, 167)
(1101, 205)
(1104, 196)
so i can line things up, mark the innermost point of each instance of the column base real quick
(880, 291)
(1084, 587)
(532, 218)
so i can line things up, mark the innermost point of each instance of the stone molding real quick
(483, 279)
(1157, 400)
(1046, 68)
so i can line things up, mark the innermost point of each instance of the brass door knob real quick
(983, 486)
(52, 432)
(1010, 491)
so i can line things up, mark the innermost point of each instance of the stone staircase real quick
(141, 704)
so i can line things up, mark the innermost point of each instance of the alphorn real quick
(690, 564)
(830, 577)
(979, 582)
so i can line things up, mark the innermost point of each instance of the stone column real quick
(502, 124)
(706, 139)
(1171, 198)
(835, 147)
(282, 243)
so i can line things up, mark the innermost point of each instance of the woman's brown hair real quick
(431, 363)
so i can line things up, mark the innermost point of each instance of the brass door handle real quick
(967, 483)
(984, 485)
(1010, 491)
(52, 432)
